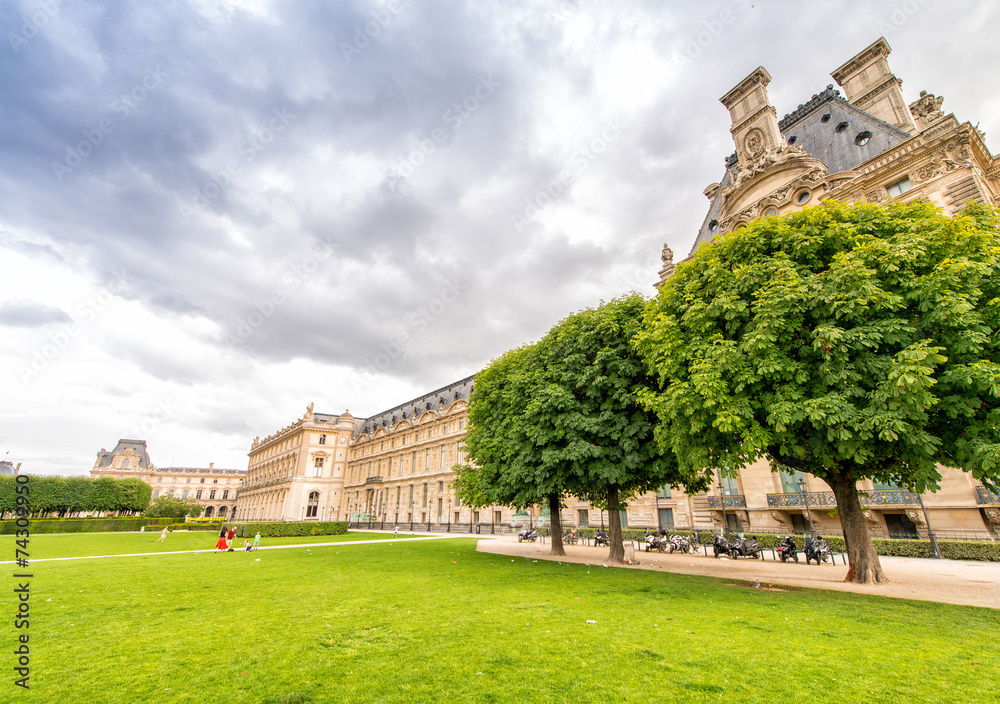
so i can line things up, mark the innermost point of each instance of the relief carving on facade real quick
(915, 517)
(780, 518)
(927, 109)
(993, 516)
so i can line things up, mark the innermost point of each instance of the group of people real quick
(226, 537)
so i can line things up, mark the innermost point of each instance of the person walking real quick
(395, 532)
(256, 541)
(163, 535)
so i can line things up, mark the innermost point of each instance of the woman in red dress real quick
(223, 544)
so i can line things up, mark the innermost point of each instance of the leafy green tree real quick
(135, 495)
(561, 417)
(168, 506)
(850, 342)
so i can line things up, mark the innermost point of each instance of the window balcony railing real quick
(985, 496)
(729, 501)
(821, 499)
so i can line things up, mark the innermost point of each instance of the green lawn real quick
(436, 622)
(47, 545)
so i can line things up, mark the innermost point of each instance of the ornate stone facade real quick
(871, 145)
(215, 489)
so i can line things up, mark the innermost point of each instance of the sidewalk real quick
(948, 581)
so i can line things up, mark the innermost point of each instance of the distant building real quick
(215, 489)
(869, 144)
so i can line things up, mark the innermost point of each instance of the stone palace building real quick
(867, 143)
(215, 489)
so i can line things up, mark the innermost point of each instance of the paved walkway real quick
(949, 581)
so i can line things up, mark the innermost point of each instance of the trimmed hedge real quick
(209, 527)
(272, 530)
(87, 525)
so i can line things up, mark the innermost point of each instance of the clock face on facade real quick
(754, 142)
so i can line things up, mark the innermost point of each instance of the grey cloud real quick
(30, 314)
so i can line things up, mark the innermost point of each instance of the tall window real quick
(425, 495)
(583, 517)
(399, 489)
(322, 439)
(498, 517)
(312, 508)
(211, 495)
(156, 492)
(899, 187)
(427, 460)
(411, 494)
(475, 516)
(730, 485)
(442, 457)
(440, 509)
(225, 494)
(318, 467)
(413, 463)
(184, 494)
(197, 494)
(663, 492)
(790, 481)
(666, 518)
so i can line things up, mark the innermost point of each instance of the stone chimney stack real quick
(755, 121)
(869, 85)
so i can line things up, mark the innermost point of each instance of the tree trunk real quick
(616, 553)
(555, 526)
(864, 566)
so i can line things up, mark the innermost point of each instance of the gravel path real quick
(948, 581)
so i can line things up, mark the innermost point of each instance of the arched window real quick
(312, 508)
(208, 512)
(222, 511)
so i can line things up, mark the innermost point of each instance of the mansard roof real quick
(438, 400)
(105, 458)
(826, 127)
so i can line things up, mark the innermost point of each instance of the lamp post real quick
(722, 501)
(659, 524)
(930, 533)
(805, 501)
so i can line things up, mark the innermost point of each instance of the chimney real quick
(869, 85)
(211, 464)
(755, 121)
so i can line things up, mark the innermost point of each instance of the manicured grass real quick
(45, 545)
(436, 622)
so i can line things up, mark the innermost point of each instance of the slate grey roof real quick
(105, 458)
(433, 401)
(828, 128)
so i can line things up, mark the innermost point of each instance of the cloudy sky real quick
(213, 212)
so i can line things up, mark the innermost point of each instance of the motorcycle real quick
(655, 542)
(788, 550)
(525, 534)
(817, 549)
(721, 545)
(569, 537)
(747, 547)
(680, 544)
(601, 538)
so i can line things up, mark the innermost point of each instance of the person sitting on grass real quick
(246, 546)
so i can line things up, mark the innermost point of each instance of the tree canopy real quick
(848, 341)
(561, 417)
(168, 506)
(64, 496)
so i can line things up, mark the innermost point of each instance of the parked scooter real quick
(679, 543)
(747, 547)
(526, 534)
(788, 550)
(721, 545)
(817, 549)
(569, 536)
(601, 538)
(655, 542)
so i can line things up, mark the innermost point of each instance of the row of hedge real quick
(981, 550)
(206, 527)
(274, 530)
(86, 525)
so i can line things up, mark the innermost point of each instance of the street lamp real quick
(805, 501)
(930, 533)
(659, 524)
(722, 502)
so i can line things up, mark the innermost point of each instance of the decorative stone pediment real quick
(926, 109)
